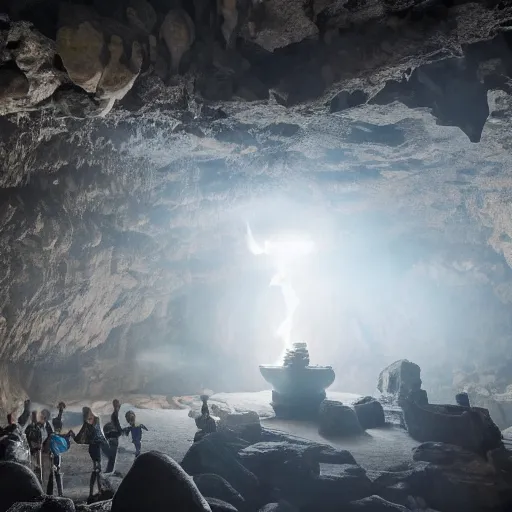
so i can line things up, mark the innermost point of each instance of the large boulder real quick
(217, 487)
(323, 452)
(17, 483)
(399, 380)
(281, 464)
(156, 482)
(333, 489)
(336, 419)
(216, 453)
(29, 78)
(375, 504)
(369, 412)
(455, 479)
(447, 454)
(472, 428)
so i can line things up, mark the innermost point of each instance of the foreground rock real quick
(217, 487)
(471, 428)
(157, 483)
(452, 479)
(48, 504)
(17, 484)
(216, 453)
(336, 419)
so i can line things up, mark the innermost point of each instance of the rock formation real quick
(382, 127)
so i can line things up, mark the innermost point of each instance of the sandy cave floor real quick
(172, 432)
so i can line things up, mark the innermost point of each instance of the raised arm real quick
(144, 427)
(25, 415)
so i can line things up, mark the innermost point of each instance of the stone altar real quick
(298, 389)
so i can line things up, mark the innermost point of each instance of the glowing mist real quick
(283, 253)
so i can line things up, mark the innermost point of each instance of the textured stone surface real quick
(165, 486)
(357, 127)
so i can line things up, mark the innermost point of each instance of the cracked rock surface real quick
(130, 163)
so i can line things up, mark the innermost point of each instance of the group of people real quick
(46, 442)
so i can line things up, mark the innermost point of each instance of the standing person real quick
(91, 434)
(46, 453)
(135, 430)
(113, 432)
(34, 437)
(56, 458)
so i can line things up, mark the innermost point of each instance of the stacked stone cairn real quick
(297, 356)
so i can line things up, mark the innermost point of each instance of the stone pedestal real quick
(298, 389)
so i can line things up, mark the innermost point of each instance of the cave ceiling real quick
(124, 182)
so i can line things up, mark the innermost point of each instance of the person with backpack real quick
(92, 435)
(34, 436)
(113, 432)
(58, 444)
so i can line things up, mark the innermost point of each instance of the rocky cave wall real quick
(136, 139)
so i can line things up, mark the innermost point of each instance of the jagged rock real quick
(217, 487)
(369, 413)
(178, 32)
(18, 484)
(213, 455)
(333, 488)
(336, 419)
(48, 504)
(285, 23)
(266, 460)
(27, 74)
(448, 486)
(446, 454)
(165, 486)
(375, 504)
(217, 505)
(472, 428)
(399, 379)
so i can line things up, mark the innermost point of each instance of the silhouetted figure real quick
(113, 431)
(25, 415)
(462, 399)
(92, 435)
(34, 435)
(205, 423)
(46, 454)
(135, 430)
(56, 458)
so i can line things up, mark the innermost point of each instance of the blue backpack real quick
(59, 444)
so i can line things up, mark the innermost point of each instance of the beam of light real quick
(284, 252)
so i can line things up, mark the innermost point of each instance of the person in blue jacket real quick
(135, 429)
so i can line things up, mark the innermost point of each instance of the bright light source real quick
(284, 250)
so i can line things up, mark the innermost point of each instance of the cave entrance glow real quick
(286, 251)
